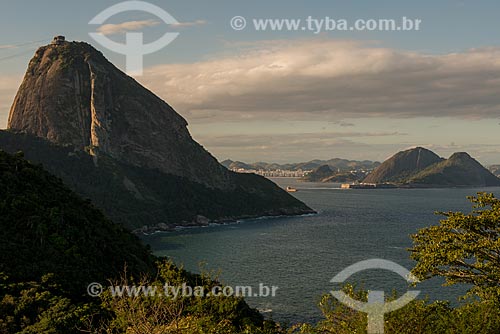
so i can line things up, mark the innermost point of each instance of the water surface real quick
(301, 254)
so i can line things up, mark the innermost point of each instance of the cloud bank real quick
(331, 80)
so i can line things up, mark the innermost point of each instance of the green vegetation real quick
(418, 317)
(45, 228)
(464, 248)
(52, 244)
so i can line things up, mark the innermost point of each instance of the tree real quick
(463, 248)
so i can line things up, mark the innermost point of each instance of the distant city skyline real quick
(291, 96)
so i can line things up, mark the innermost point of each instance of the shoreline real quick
(409, 186)
(151, 230)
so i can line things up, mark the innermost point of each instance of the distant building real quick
(58, 40)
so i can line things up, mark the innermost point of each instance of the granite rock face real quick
(113, 141)
(72, 95)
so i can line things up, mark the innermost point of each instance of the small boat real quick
(291, 189)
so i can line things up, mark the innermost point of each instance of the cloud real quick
(7, 47)
(110, 29)
(331, 80)
(290, 147)
(277, 140)
(8, 88)
(189, 24)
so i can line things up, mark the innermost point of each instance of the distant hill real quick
(402, 165)
(458, 170)
(325, 174)
(318, 174)
(420, 167)
(336, 164)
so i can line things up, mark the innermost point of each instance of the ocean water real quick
(300, 255)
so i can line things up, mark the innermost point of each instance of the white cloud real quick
(7, 47)
(189, 24)
(330, 80)
(110, 29)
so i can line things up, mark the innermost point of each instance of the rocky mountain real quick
(419, 167)
(402, 165)
(72, 95)
(460, 169)
(114, 141)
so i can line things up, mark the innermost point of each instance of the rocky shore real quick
(202, 221)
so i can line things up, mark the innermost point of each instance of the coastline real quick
(410, 186)
(205, 222)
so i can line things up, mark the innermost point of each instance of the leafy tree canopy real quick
(463, 248)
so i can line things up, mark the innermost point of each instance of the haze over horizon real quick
(290, 96)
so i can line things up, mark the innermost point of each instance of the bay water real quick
(300, 255)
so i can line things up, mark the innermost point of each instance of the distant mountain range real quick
(416, 167)
(336, 164)
(420, 167)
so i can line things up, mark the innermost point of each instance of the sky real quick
(297, 95)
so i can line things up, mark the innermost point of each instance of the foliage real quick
(463, 248)
(53, 244)
(417, 317)
(40, 307)
(45, 228)
(157, 313)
